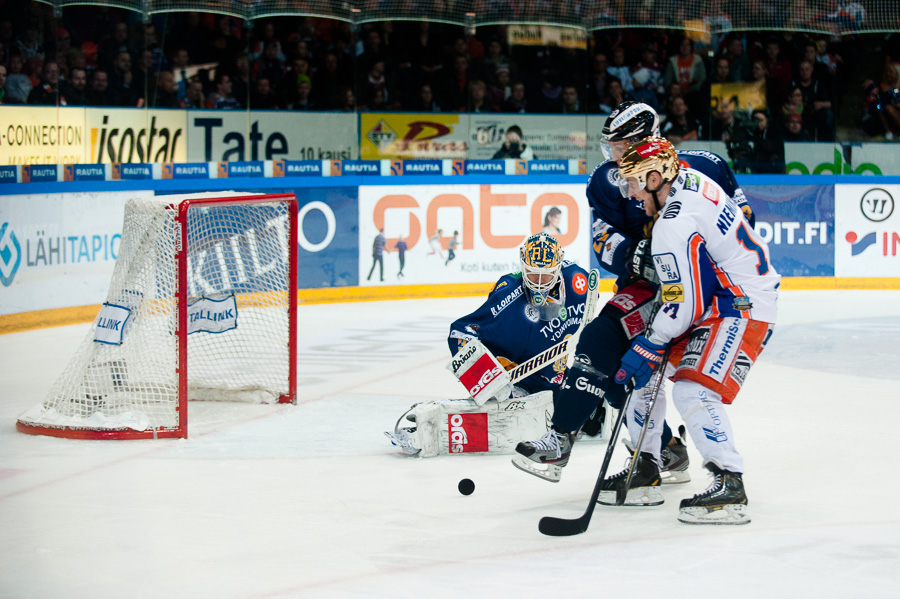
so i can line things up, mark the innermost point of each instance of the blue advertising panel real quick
(797, 221)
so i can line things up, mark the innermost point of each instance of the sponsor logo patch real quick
(579, 283)
(468, 433)
(673, 293)
(667, 268)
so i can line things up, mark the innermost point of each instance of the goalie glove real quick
(481, 373)
(641, 263)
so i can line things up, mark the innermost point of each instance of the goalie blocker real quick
(455, 426)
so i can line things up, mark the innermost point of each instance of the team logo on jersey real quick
(691, 181)
(673, 293)
(532, 313)
(563, 313)
(742, 303)
(613, 176)
(579, 283)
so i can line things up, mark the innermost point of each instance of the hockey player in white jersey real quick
(719, 293)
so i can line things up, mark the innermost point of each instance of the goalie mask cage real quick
(202, 305)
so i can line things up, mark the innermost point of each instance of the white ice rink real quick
(313, 501)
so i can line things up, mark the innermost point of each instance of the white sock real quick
(704, 415)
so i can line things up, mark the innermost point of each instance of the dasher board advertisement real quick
(59, 250)
(867, 230)
(223, 136)
(135, 135)
(489, 223)
(413, 136)
(42, 135)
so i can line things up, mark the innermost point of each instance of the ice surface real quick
(312, 501)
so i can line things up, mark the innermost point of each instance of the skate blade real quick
(733, 514)
(637, 497)
(549, 472)
(675, 477)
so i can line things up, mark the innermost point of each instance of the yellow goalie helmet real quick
(651, 154)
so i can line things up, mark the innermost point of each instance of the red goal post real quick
(202, 305)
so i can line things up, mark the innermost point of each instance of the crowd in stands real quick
(704, 86)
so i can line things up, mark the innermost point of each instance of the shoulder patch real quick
(673, 207)
(667, 268)
(692, 182)
(500, 284)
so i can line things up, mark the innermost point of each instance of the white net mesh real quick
(125, 373)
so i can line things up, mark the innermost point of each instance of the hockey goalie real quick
(510, 355)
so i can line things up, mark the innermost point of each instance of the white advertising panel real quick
(135, 135)
(58, 250)
(549, 137)
(491, 222)
(867, 230)
(220, 135)
(42, 135)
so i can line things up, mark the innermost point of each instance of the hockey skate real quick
(723, 503)
(545, 457)
(674, 458)
(645, 485)
(594, 425)
(675, 461)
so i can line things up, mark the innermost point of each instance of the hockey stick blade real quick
(564, 527)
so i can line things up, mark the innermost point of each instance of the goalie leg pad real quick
(453, 426)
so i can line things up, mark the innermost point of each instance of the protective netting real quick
(711, 17)
(125, 373)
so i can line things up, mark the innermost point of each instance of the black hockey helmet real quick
(630, 121)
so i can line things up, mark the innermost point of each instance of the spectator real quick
(144, 79)
(620, 70)
(598, 81)
(500, 91)
(882, 115)
(643, 88)
(241, 82)
(222, 99)
(304, 99)
(166, 93)
(821, 72)
(267, 36)
(793, 125)
(47, 91)
(76, 58)
(570, 102)
(74, 89)
(375, 80)
(494, 60)
(424, 53)
(424, 102)
(180, 63)
(121, 91)
(816, 102)
(778, 68)
(680, 126)
(686, 69)
(550, 99)
(454, 86)
(654, 71)
(477, 97)
(286, 91)
(734, 128)
(738, 64)
(795, 105)
(517, 102)
(327, 82)
(110, 48)
(18, 84)
(372, 51)
(768, 147)
(268, 65)
(514, 146)
(28, 44)
(774, 93)
(193, 98)
(98, 95)
(616, 95)
(346, 100)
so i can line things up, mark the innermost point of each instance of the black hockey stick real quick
(622, 491)
(562, 527)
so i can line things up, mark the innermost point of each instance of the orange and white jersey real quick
(710, 261)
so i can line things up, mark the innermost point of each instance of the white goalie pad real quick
(458, 426)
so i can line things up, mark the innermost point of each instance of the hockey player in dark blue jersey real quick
(529, 311)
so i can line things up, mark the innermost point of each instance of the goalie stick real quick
(566, 346)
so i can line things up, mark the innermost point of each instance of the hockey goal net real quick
(202, 305)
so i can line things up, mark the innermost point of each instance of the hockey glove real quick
(640, 361)
(641, 263)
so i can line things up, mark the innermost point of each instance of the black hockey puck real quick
(466, 486)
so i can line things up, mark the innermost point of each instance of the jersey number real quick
(762, 267)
